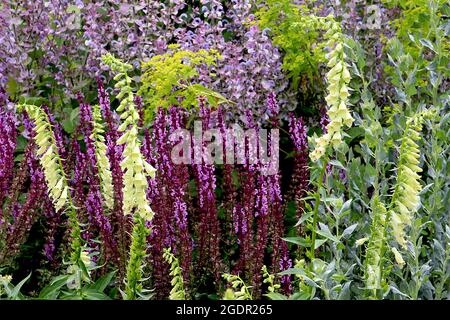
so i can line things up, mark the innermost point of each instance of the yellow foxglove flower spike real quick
(177, 282)
(338, 78)
(55, 178)
(135, 184)
(104, 167)
(405, 198)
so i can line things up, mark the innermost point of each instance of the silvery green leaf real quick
(349, 230)
(337, 163)
(345, 207)
(397, 291)
(345, 291)
(298, 241)
(15, 293)
(325, 232)
(303, 218)
(319, 242)
(427, 43)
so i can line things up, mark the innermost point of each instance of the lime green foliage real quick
(238, 290)
(55, 177)
(136, 170)
(297, 32)
(177, 292)
(166, 79)
(414, 15)
(417, 17)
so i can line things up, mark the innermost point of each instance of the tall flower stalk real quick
(300, 176)
(168, 195)
(99, 200)
(120, 222)
(8, 135)
(19, 219)
(398, 214)
(209, 229)
(136, 169)
(163, 235)
(338, 78)
(405, 198)
(178, 291)
(55, 176)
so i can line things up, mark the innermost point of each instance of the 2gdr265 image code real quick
(225, 309)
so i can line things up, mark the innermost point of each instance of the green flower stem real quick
(375, 223)
(316, 209)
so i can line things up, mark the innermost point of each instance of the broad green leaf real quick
(68, 125)
(336, 163)
(71, 296)
(101, 284)
(349, 230)
(304, 242)
(327, 235)
(427, 43)
(319, 242)
(16, 291)
(276, 296)
(298, 241)
(51, 291)
(345, 292)
(303, 218)
(90, 294)
(345, 207)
